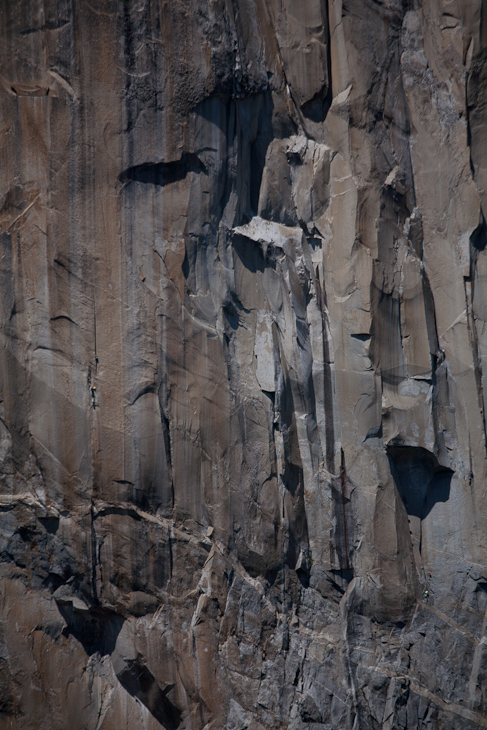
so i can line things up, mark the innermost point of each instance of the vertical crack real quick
(343, 484)
(93, 552)
(328, 380)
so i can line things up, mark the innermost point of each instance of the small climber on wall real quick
(93, 396)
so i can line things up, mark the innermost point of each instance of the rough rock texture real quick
(257, 228)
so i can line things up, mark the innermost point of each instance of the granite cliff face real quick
(243, 311)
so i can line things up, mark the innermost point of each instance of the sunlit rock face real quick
(243, 349)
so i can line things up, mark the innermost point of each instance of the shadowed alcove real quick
(420, 479)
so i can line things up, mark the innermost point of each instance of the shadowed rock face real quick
(421, 481)
(242, 362)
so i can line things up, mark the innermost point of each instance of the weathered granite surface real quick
(257, 228)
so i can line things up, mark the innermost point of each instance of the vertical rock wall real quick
(243, 348)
